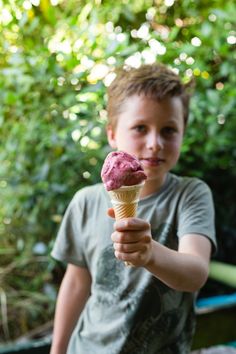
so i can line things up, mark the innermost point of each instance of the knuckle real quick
(148, 225)
(126, 223)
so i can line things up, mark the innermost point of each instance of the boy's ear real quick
(111, 137)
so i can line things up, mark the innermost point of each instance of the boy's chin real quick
(151, 177)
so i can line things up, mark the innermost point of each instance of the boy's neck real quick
(152, 186)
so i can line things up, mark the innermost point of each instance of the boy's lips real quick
(151, 161)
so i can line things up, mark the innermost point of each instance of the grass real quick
(27, 295)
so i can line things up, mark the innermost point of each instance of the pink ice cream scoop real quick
(121, 169)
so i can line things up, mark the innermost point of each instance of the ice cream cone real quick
(123, 177)
(125, 200)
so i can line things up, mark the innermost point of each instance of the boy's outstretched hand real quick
(185, 269)
(132, 240)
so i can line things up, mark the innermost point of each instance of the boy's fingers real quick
(131, 224)
(111, 213)
(128, 223)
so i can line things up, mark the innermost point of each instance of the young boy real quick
(105, 307)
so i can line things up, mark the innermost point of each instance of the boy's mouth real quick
(151, 161)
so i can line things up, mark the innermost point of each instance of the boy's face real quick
(152, 131)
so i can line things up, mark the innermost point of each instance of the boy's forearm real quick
(65, 319)
(180, 271)
(72, 297)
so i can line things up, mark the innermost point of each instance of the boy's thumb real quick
(111, 213)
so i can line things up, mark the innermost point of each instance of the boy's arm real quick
(73, 294)
(183, 270)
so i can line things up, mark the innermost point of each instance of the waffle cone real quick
(125, 200)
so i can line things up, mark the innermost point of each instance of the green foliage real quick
(55, 63)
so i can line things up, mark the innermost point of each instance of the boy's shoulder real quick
(93, 188)
(90, 193)
(185, 186)
(185, 181)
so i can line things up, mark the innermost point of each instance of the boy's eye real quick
(168, 131)
(140, 128)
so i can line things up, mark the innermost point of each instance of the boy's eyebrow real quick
(144, 121)
(172, 120)
(137, 120)
(140, 120)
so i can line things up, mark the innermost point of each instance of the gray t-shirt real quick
(130, 311)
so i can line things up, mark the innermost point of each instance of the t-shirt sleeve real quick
(196, 211)
(68, 246)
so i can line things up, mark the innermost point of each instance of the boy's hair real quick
(155, 81)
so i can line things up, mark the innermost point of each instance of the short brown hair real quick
(155, 81)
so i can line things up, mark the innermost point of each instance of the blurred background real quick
(57, 57)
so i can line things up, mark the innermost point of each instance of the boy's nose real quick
(154, 142)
